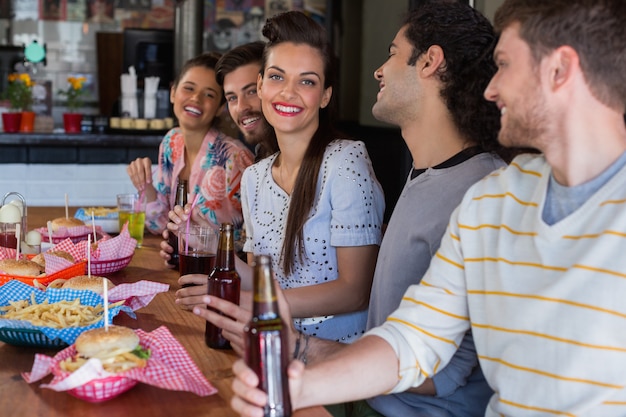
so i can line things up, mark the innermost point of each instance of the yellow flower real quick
(77, 82)
(74, 92)
(18, 91)
(25, 78)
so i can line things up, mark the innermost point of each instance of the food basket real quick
(78, 268)
(84, 233)
(169, 367)
(29, 337)
(24, 333)
(98, 390)
(103, 389)
(110, 266)
(74, 239)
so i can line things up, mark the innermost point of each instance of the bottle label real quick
(270, 346)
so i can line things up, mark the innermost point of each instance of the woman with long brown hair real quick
(315, 206)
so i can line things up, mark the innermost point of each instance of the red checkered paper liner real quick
(56, 263)
(138, 294)
(7, 253)
(169, 367)
(118, 247)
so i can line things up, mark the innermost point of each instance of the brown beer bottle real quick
(172, 239)
(267, 348)
(224, 282)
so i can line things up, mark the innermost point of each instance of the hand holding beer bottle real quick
(267, 347)
(223, 282)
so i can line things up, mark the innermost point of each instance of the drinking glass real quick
(132, 210)
(7, 235)
(196, 249)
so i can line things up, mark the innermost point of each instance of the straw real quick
(89, 256)
(93, 227)
(195, 201)
(18, 237)
(67, 203)
(105, 294)
(49, 231)
(142, 195)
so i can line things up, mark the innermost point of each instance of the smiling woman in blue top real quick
(315, 206)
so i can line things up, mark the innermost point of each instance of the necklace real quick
(283, 183)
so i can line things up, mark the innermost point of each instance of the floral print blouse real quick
(215, 176)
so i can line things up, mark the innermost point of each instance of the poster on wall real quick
(52, 9)
(101, 11)
(229, 23)
(152, 14)
(274, 7)
(233, 23)
(76, 10)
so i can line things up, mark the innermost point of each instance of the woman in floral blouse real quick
(196, 151)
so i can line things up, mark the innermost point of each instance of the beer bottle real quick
(267, 348)
(172, 239)
(224, 282)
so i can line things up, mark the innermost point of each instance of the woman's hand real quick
(166, 250)
(191, 296)
(176, 216)
(140, 172)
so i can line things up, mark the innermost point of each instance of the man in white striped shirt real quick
(533, 258)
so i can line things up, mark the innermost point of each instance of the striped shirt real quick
(546, 303)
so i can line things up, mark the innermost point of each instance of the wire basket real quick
(78, 268)
(110, 266)
(30, 338)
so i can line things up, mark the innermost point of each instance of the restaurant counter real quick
(22, 399)
(79, 148)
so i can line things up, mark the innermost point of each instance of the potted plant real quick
(20, 97)
(75, 93)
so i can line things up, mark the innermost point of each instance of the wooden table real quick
(22, 399)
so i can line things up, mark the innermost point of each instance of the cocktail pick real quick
(49, 231)
(67, 203)
(93, 227)
(89, 256)
(19, 238)
(105, 295)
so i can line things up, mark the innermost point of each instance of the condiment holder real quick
(12, 213)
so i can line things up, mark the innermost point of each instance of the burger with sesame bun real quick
(117, 349)
(20, 267)
(66, 222)
(88, 282)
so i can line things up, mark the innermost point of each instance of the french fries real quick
(57, 315)
(99, 211)
(57, 283)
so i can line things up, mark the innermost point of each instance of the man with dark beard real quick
(237, 72)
